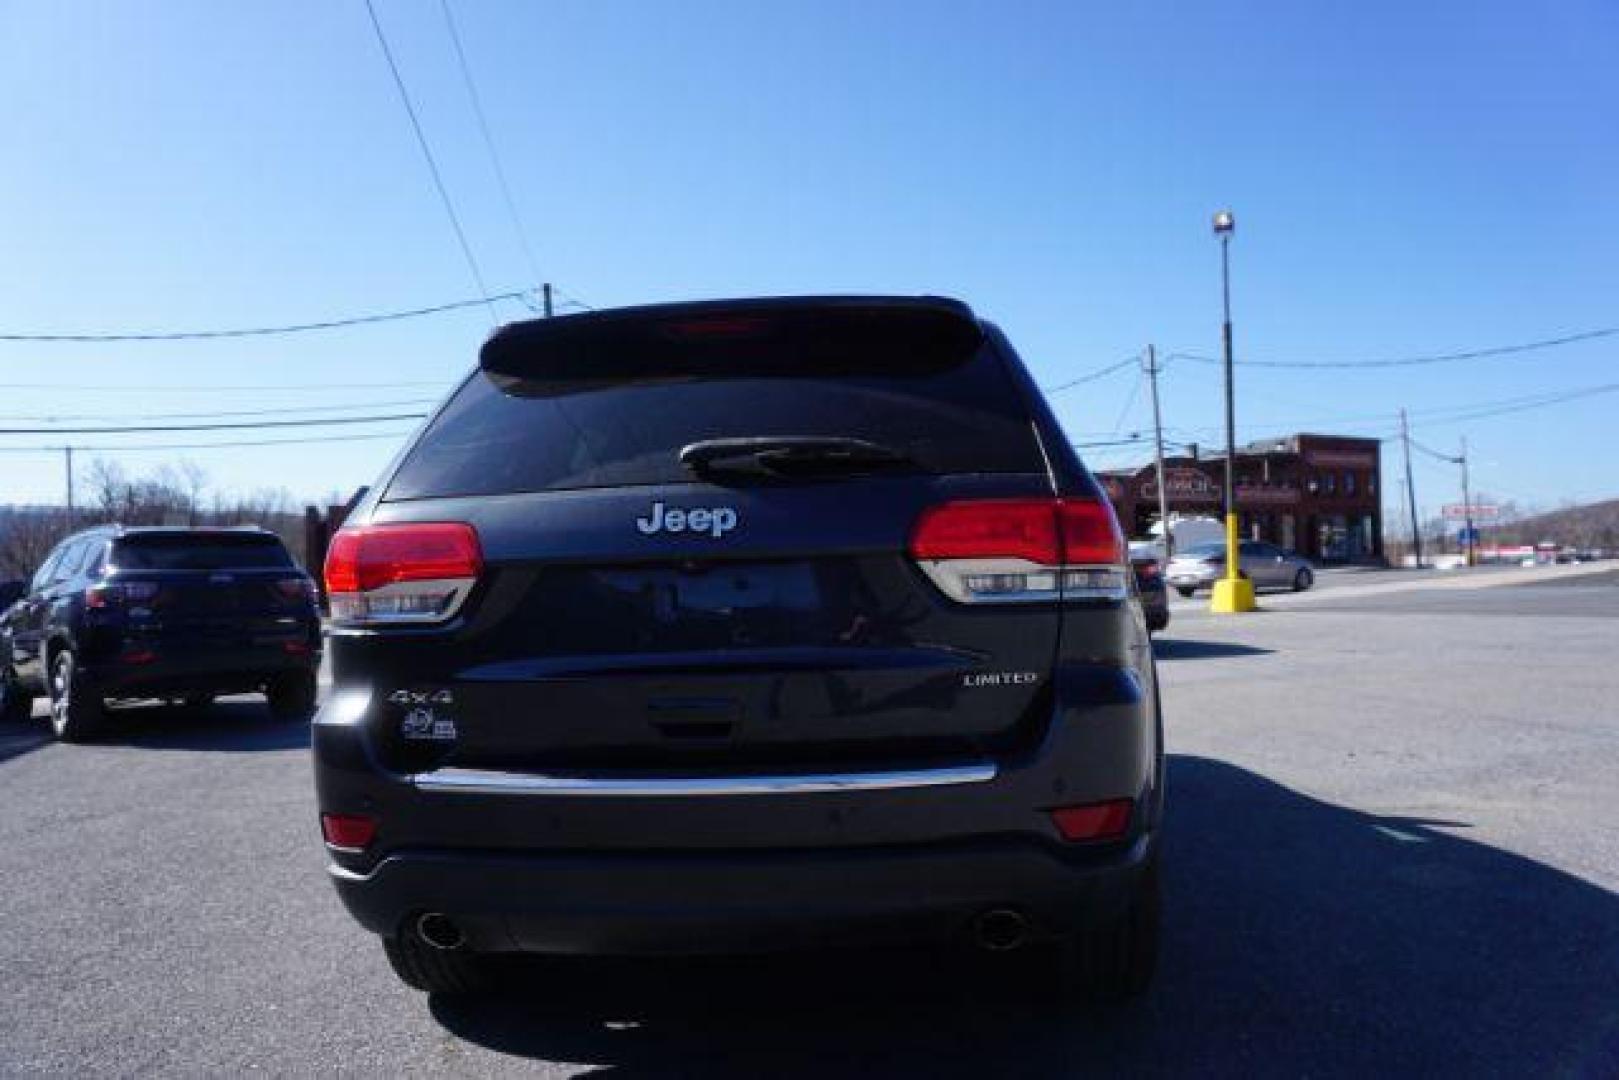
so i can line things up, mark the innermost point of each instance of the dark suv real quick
(178, 613)
(743, 625)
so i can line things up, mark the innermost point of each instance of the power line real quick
(263, 331)
(1094, 375)
(56, 449)
(432, 163)
(489, 144)
(1408, 361)
(144, 388)
(569, 300)
(64, 418)
(1129, 403)
(129, 430)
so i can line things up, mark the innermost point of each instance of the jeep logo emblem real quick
(715, 521)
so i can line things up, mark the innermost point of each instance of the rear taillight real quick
(1021, 550)
(292, 590)
(102, 597)
(405, 573)
(348, 832)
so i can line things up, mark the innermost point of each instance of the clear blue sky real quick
(1408, 179)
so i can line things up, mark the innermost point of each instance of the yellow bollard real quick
(1232, 593)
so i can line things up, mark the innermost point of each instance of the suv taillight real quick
(401, 574)
(1021, 550)
(104, 596)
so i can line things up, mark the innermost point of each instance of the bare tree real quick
(27, 535)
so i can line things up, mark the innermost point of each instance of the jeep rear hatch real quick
(695, 539)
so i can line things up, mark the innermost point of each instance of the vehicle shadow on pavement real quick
(1193, 649)
(1301, 938)
(19, 739)
(231, 726)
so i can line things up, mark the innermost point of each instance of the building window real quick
(1371, 483)
(1332, 483)
(1349, 483)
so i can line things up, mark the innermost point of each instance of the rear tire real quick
(76, 715)
(292, 697)
(437, 971)
(1303, 580)
(16, 704)
(1115, 961)
(1185, 591)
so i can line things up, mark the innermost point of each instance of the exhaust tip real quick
(440, 931)
(1001, 930)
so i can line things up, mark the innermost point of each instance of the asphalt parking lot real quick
(1393, 849)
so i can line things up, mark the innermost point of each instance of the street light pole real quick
(1233, 592)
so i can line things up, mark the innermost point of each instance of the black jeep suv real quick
(742, 625)
(180, 613)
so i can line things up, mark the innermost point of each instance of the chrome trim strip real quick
(473, 781)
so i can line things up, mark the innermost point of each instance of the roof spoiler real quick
(795, 333)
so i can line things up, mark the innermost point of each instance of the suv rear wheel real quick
(292, 697)
(420, 966)
(76, 714)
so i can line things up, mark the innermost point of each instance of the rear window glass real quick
(193, 551)
(507, 433)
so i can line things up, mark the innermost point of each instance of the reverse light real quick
(1094, 821)
(348, 832)
(1021, 550)
(408, 573)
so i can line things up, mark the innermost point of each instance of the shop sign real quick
(1252, 495)
(1181, 484)
(1341, 459)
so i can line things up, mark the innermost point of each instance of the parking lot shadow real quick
(1301, 938)
(19, 739)
(1192, 649)
(239, 725)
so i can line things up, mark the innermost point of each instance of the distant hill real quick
(1595, 525)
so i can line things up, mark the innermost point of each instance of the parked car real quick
(1150, 586)
(747, 625)
(1266, 565)
(176, 613)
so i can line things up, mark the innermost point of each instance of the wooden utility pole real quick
(1467, 508)
(1158, 444)
(1411, 489)
(546, 291)
(67, 451)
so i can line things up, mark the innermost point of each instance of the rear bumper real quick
(637, 903)
(180, 670)
(713, 864)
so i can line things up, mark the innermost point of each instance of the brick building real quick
(1317, 494)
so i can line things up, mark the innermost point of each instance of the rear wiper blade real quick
(796, 455)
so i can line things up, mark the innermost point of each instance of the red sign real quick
(1458, 512)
